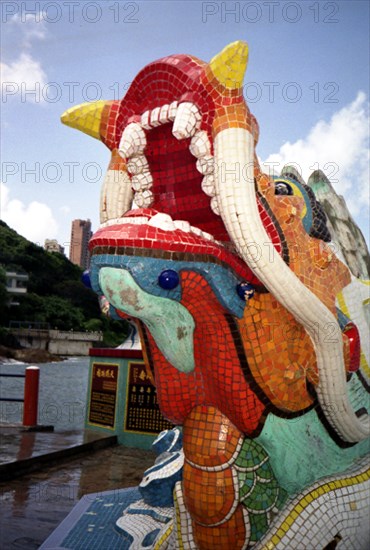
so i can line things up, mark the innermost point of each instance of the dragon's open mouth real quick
(170, 164)
(159, 151)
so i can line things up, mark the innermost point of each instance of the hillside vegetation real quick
(55, 294)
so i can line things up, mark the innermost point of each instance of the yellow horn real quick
(85, 117)
(230, 64)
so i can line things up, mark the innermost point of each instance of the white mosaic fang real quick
(208, 185)
(196, 231)
(139, 220)
(172, 111)
(208, 236)
(214, 206)
(137, 164)
(206, 165)
(163, 114)
(133, 140)
(162, 221)
(143, 199)
(158, 116)
(145, 120)
(187, 120)
(183, 225)
(142, 181)
(200, 146)
(154, 117)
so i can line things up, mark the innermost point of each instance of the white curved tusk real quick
(234, 152)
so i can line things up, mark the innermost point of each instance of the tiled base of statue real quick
(254, 329)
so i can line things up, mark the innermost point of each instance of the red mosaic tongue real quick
(177, 183)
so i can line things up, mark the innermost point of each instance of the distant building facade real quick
(16, 285)
(52, 245)
(80, 235)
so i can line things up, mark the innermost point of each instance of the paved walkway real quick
(35, 503)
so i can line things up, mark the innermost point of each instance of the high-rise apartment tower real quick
(80, 236)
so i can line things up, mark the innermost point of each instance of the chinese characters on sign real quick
(142, 410)
(103, 398)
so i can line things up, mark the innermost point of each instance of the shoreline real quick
(27, 355)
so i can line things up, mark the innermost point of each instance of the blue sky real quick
(307, 83)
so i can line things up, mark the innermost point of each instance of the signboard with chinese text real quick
(103, 395)
(142, 411)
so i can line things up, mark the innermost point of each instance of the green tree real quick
(54, 310)
(56, 294)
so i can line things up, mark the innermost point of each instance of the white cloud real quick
(340, 148)
(34, 221)
(31, 26)
(25, 72)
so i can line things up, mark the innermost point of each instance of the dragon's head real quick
(184, 194)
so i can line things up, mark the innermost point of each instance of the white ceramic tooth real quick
(187, 120)
(144, 198)
(200, 146)
(141, 181)
(162, 221)
(137, 164)
(139, 220)
(133, 140)
(206, 165)
(214, 206)
(113, 221)
(208, 236)
(172, 110)
(163, 115)
(183, 225)
(196, 230)
(208, 185)
(154, 117)
(145, 120)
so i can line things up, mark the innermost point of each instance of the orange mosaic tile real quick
(230, 535)
(209, 496)
(210, 439)
(279, 352)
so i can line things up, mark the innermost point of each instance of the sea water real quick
(62, 393)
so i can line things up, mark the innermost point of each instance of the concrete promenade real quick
(44, 474)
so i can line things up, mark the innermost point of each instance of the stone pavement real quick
(35, 503)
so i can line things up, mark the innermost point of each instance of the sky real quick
(307, 83)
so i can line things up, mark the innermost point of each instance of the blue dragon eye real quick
(85, 278)
(168, 279)
(245, 291)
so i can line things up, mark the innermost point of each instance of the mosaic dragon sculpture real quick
(254, 329)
